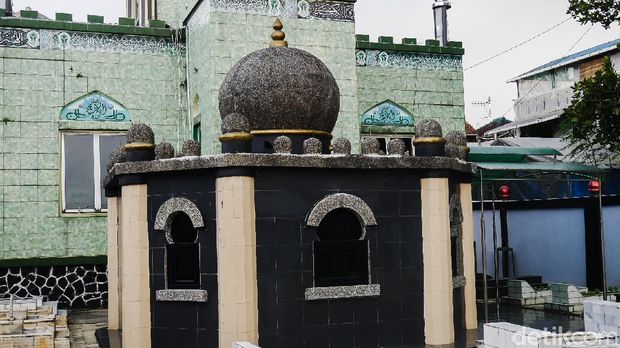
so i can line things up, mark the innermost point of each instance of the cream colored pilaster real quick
(438, 292)
(469, 271)
(236, 260)
(114, 287)
(135, 295)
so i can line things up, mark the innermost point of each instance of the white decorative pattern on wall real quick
(408, 60)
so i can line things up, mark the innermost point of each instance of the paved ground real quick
(82, 326)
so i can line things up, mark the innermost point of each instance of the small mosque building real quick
(286, 238)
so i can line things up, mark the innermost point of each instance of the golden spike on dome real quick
(278, 35)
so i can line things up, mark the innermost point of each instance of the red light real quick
(504, 191)
(594, 186)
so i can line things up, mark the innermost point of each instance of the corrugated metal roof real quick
(528, 122)
(593, 51)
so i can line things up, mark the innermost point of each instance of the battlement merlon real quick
(386, 43)
(95, 24)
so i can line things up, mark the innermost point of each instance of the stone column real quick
(469, 260)
(236, 260)
(134, 274)
(114, 286)
(438, 290)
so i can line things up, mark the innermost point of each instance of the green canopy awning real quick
(508, 153)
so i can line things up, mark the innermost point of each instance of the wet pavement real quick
(536, 319)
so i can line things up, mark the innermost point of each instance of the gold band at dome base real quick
(290, 131)
(139, 146)
(429, 140)
(236, 136)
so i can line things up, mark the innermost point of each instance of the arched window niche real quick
(387, 113)
(181, 221)
(341, 253)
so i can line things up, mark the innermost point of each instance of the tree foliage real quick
(604, 12)
(593, 118)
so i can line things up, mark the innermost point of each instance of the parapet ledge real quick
(386, 43)
(64, 21)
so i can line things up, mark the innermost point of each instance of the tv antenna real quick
(487, 108)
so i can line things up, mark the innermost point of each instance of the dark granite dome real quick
(281, 88)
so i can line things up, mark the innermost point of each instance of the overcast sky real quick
(486, 28)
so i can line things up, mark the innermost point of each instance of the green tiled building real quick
(69, 91)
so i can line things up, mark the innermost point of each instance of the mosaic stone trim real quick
(288, 8)
(181, 295)
(408, 60)
(458, 282)
(163, 219)
(336, 292)
(387, 113)
(80, 41)
(342, 200)
(71, 286)
(25, 38)
(95, 106)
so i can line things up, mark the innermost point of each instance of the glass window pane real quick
(107, 143)
(79, 182)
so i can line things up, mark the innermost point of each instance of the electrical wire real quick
(542, 78)
(518, 45)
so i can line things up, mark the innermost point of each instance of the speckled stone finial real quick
(118, 155)
(140, 133)
(456, 145)
(312, 146)
(371, 146)
(342, 146)
(164, 150)
(396, 147)
(235, 123)
(428, 128)
(278, 35)
(282, 144)
(190, 148)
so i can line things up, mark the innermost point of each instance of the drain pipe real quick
(8, 8)
(483, 237)
(11, 313)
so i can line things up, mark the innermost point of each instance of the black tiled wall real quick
(184, 324)
(284, 258)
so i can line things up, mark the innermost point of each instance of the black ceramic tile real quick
(290, 313)
(267, 287)
(265, 231)
(208, 259)
(341, 336)
(388, 255)
(390, 308)
(315, 313)
(266, 259)
(366, 335)
(178, 315)
(207, 338)
(264, 203)
(267, 315)
(288, 258)
(390, 333)
(157, 260)
(290, 337)
(207, 315)
(365, 311)
(288, 231)
(341, 311)
(316, 337)
(290, 286)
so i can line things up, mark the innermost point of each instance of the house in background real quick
(544, 92)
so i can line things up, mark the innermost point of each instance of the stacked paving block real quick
(521, 292)
(33, 323)
(602, 316)
(507, 335)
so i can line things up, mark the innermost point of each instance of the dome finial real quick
(278, 35)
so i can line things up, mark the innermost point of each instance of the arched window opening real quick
(341, 254)
(183, 258)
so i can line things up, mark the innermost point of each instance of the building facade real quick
(69, 86)
(544, 92)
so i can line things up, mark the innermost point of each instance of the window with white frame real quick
(84, 159)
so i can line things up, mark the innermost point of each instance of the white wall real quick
(549, 243)
(611, 223)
